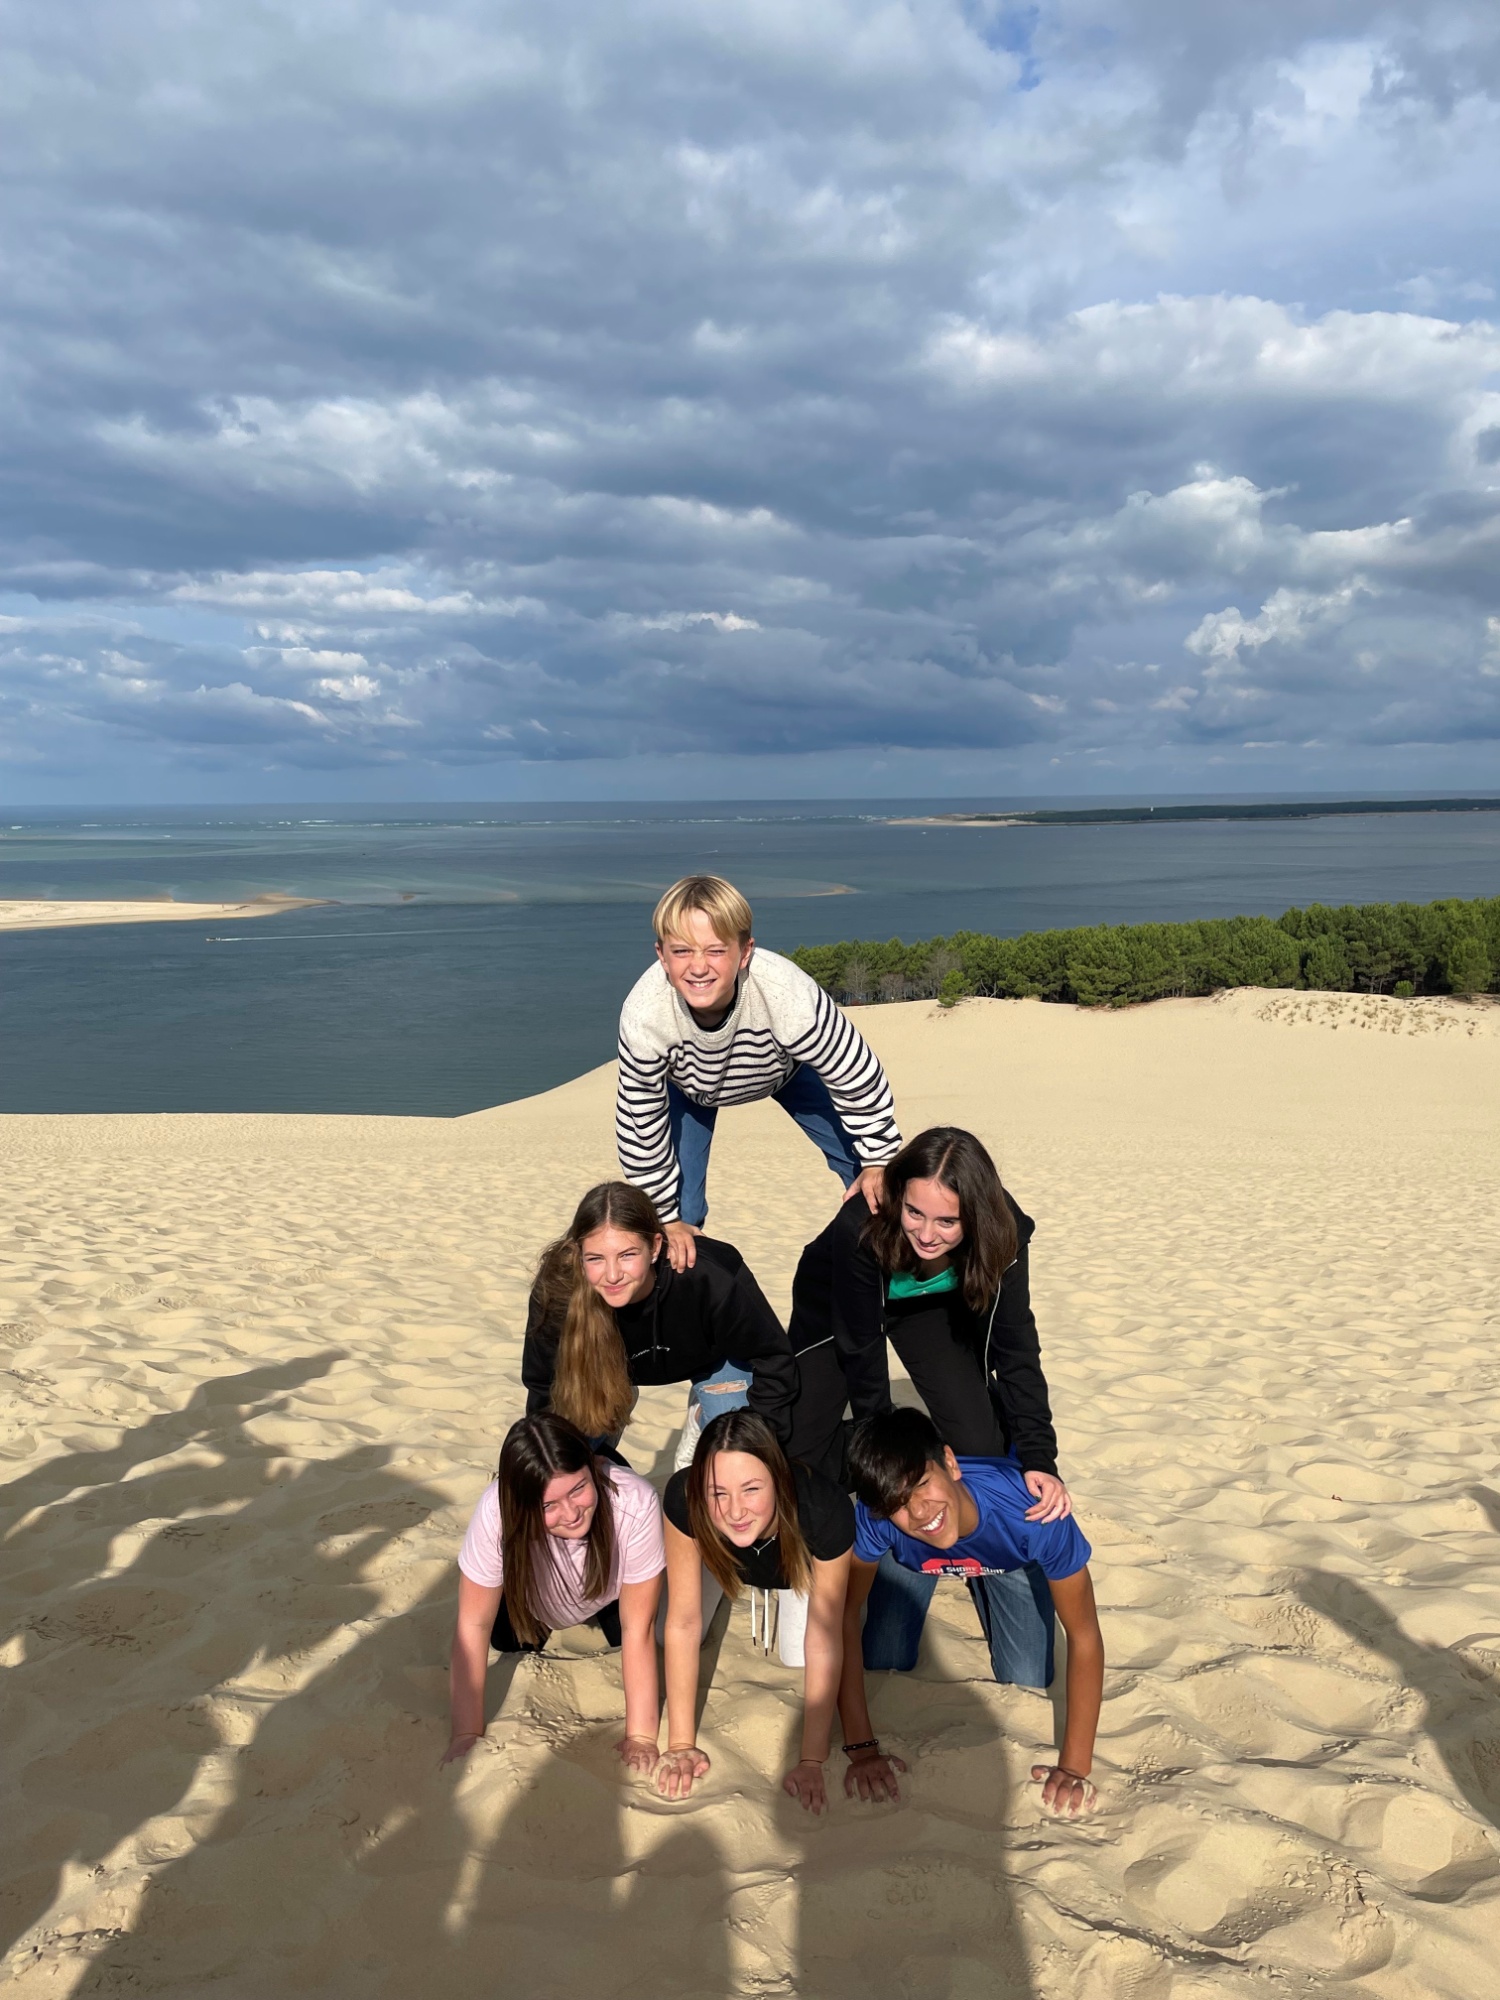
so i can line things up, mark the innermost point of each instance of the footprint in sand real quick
(1284, 1709)
(1235, 1886)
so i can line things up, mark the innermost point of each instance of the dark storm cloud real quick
(392, 387)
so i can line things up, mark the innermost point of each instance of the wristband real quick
(870, 1743)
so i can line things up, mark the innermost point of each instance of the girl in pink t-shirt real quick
(562, 1537)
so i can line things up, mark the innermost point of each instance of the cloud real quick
(468, 388)
(1287, 618)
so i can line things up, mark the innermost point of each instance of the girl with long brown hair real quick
(744, 1514)
(941, 1269)
(609, 1313)
(559, 1537)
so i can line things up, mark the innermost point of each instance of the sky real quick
(747, 398)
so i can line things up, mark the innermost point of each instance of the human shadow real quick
(97, 1751)
(282, 1888)
(223, 1576)
(568, 1873)
(1488, 1504)
(916, 1898)
(215, 1416)
(296, 1833)
(342, 1860)
(1460, 1719)
(346, 1862)
(322, 1848)
(580, 1880)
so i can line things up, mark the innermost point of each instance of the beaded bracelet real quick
(870, 1743)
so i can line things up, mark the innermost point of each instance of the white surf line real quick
(291, 937)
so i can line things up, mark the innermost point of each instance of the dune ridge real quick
(258, 1370)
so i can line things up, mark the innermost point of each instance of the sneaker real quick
(791, 1627)
(687, 1444)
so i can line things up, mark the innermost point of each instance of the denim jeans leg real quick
(691, 1127)
(895, 1613)
(1016, 1612)
(805, 1097)
(728, 1388)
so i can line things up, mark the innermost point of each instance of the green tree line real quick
(1403, 948)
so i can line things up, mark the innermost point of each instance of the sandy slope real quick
(34, 913)
(259, 1370)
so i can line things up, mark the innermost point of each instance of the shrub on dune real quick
(1449, 946)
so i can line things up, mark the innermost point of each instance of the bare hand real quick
(638, 1753)
(804, 1783)
(679, 1771)
(682, 1251)
(872, 1774)
(1053, 1500)
(1065, 1792)
(871, 1184)
(458, 1748)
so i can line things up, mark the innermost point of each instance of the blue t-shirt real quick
(1003, 1540)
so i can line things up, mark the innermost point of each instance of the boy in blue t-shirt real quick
(940, 1515)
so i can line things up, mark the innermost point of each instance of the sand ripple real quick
(258, 1369)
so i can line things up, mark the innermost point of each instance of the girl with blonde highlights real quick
(608, 1314)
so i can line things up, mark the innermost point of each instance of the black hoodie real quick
(838, 1295)
(688, 1325)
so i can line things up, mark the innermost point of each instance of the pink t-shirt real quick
(639, 1554)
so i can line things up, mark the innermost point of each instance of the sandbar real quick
(35, 913)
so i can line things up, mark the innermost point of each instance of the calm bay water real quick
(469, 958)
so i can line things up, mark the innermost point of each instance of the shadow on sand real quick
(1461, 1715)
(300, 1837)
(105, 1709)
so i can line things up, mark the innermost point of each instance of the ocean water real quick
(469, 957)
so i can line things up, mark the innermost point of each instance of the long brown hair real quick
(743, 1430)
(534, 1451)
(957, 1160)
(591, 1384)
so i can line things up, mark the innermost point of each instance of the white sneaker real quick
(791, 1627)
(692, 1429)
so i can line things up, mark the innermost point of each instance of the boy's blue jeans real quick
(1015, 1610)
(804, 1096)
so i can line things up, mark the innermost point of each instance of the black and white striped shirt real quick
(780, 1018)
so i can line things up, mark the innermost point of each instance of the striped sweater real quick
(780, 1019)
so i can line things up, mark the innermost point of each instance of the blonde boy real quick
(716, 1021)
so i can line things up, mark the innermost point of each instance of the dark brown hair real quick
(743, 1430)
(534, 1451)
(889, 1456)
(591, 1384)
(955, 1158)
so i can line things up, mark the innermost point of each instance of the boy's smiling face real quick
(938, 1510)
(701, 966)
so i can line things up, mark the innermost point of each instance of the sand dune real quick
(259, 1370)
